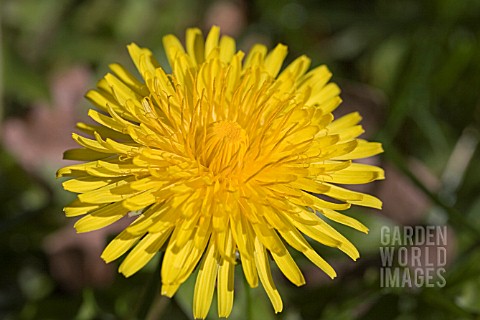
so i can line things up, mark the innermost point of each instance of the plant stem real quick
(248, 300)
(148, 296)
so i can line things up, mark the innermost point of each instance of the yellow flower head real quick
(221, 161)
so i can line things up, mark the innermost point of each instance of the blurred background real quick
(412, 69)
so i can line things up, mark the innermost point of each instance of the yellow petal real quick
(268, 237)
(318, 233)
(195, 45)
(179, 262)
(353, 197)
(338, 150)
(295, 239)
(250, 270)
(265, 275)
(344, 219)
(116, 191)
(227, 49)
(315, 79)
(255, 56)
(346, 121)
(343, 244)
(233, 76)
(143, 252)
(85, 184)
(225, 281)
(92, 130)
(350, 133)
(143, 59)
(309, 185)
(173, 48)
(212, 40)
(107, 169)
(118, 246)
(363, 149)
(122, 92)
(320, 262)
(106, 121)
(78, 208)
(328, 92)
(139, 201)
(330, 104)
(151, 216)
(289, 268)
(354, 174)
(90, 144)
(127, 78)
(274, 60)
(205, 284)
(101, 100)
(315, 202)
(296, 69)
(100, 218)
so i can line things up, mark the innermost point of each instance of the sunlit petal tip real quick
(169, 290)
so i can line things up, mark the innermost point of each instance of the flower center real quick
(225, 146)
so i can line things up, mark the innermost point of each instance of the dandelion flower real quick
(226, 160)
